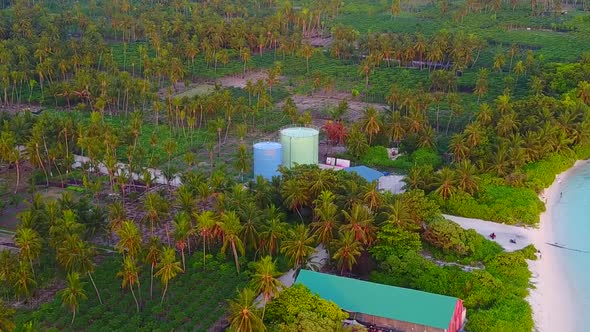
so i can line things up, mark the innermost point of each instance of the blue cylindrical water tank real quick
(268, 156)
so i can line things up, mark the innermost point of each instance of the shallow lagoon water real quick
(571, 226)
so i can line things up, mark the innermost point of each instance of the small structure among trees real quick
(387, 306)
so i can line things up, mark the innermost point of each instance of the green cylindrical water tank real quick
(300, 146)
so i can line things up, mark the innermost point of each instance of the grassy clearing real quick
(199, 90)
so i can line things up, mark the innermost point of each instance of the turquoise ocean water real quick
(571, 217)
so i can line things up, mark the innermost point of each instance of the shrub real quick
(499, 203)
(541, 174)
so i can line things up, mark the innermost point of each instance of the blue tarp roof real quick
(367, 173)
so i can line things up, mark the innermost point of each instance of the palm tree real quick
(243, 316)
(264, 279)
(293, 195)
(325, 215)
(250, 217)
(73, 293)
(23, 281)
(297, 247)
(153, 252)
(130, 276)
(371, 122)
(76, 255)
(231, 227)
(168, 268)
(182, 232)
(272, 235)
(360, 223)
(398, 214)
(584, 91)
(28, 242)
(206, 224)
(117, 214)
(321, 180)
(307, 52)
(458, 147)
(348, 249)
(466, 178)
(155, 208)
(446, 179)
(129, 239)
(6, 315)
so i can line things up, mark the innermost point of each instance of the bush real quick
(510, 314)
(499, 203)
(394, 241)
(541, 174)
(297, 299)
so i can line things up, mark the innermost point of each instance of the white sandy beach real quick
(551, 299)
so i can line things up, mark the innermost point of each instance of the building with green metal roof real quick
(387, 306)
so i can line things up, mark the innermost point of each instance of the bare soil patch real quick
(318, 103)
(237, 81)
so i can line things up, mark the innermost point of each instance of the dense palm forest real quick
(125, 172)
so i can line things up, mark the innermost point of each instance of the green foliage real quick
(509, 314)
(500, 203)
(376, 156)
(541, 174)
(298, 300)
(214, 284)
(456, 242)
(420, 206)
(394, 241)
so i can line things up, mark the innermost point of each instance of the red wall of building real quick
(457, 320)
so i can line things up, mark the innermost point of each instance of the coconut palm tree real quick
(6, 316)
(182, 232)
(360, 223)
(73, 293)
(230, 227)
(28, 242)
(371, 123)
(397, 213)
(447, 181)
(206, 225)
(272, 234)
(117, 215)
(458, 147)
(297, 246)
(293, 195)
(466, 177)
(76, 255)
(243, 315)
(153, 252)
(347, 250)
(129, 275)
(156, 209)
(326, 218)
(250, 217)
(306, 51)
(168, 268)
(8, 260)
(264, 280)
(23, 280)
(129, 239)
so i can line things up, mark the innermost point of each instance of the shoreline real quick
(551, 300)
